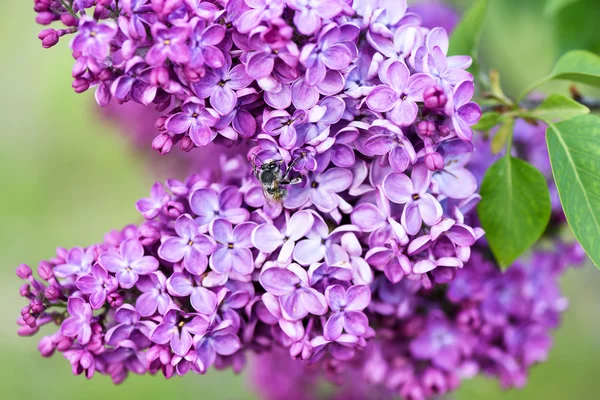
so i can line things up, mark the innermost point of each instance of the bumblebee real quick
(271, 176)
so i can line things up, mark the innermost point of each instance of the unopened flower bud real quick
(434, 97)
(159, 76)
(69, 20)
(49, 37)
(52, 293)
(186, 144)
(148, 234)
(173, 209)
(46, 346)
(163, 143)
(80, 85)
(23, 271)
(115, 300)
(434, 161)
(45, 18)
(425, 128)
(25, 290)
(44, 270)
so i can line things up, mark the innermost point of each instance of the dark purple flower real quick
(129, 327)
(204, 50)
(97, 285)
(154, 295)
(389, 140)
(178, 329)
(219, 339)
(134, 83)
(320, 189)
(295, 295)
(233, 247)
(390, 259)
(169, 43)
(399, 96)
(342, 348)
(284, 125)
(189, 245)
(128, 263)
(78, 323)
(347, 306)
(150, 207)
(195, 119)
(183, 285)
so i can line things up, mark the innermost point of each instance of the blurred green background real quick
(67, 178)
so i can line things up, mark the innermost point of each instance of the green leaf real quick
(554, 6)
(576, 65)
(574, 148)
(466, 35)
(514, 209)
(488, 120)
(576, 26)
(501, 137)
(556, 107)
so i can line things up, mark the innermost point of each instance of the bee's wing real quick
(270, 201)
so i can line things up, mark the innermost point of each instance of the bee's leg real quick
(286, 176)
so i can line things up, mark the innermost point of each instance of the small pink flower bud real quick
(426, 128)
(186, 144)
(45, 18)
(163, 143)
(434, 161)
(46, 346)
(44, 270)
(69, 20)
(23, 271)
(80, 85)
(49, 37)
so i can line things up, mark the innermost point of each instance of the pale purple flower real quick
(320, 189)
(219, 339)
(241, 119)
(438, 68)
(454, 180)
(233, 247)
(400, 95)
(150, 207)
(343, 348)
(178, 329)
(272, 54)
(347, 306)
(268, 238)
(310, 13)
(189, 245)
(260, 10)
(181, 284)
(78, 262)
(322, 275)
(420, 206)
(398, 47)
(326, 53)
(128, 262)
(221, 84)
(154, 295)
(320, 243)
(291, 286)
(284, 125)
(195, 119)
(78, 323)
(93, 39)
(389, 140)
(463, 111)
(97, 285)
(205, 38)
(208, 205)
(169, 43)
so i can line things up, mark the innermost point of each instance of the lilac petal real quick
(278, 281)
(285, 254)
(299, 225)
(316, 73)
(423, 266)
(146, 304)
(260, 65)
(203, 300)
(201, 134)
(463, 93)
(222, 260)
(343, 155)
(144, 265)
(356, 323)
(112, 261)
(461, 235)
(358, 298)
(221, 231)
(179, 123)
(181, 343)
(283, 99)
(242, 261)
(71, 327)
(470, 113)
(226, 345)
(88, 284)
(180, 285)
(324, 200)
(430, 209)
(422, 348)
(206, 354)
(313, 301)
(185, 227)
(336, 57)
(393, 270)
(421, 178)
(195, 262)
(309, 251)
(132, 250)
(367, 217)
(126, 278)
(397, 76)
(173, 249)
(411, 218)
(97, 299)
(163, 333)
(292, 306)
(457, 183)
(380, 144)
(242, 234)
(404, 113)
(336, 297)
(203, 203)
(382, 98)
(399, 159)
(223, 99)
(334, 326)
(304, 97)
(267, 238)
(342, 353)
(307, 21)
(336, 180)
(332, 84)
(417, 85)
(398, 188)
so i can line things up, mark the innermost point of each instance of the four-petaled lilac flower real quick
(129, 328)
(310, 13)
(291, 286)
(219, 339)
(182, 285)
(463, 111)
(419, 205)
(78, 323)
(177, 329)
(259, 10)
(268, 238)
(78, 262)
(320, 189)
(342, 348)
(400, 95)
(221, 84)
(204, 50)
(154, 294)
(284, 125)
(133, 84)
(189, 245)
(391, 260)
(196, 119)
(97, 285)
(326, 53)
(233, 247)
(128, 263)
(347, 306)
(208, 205)
(150, 207)
(93, 39)
(389, 140)
(169, 43)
